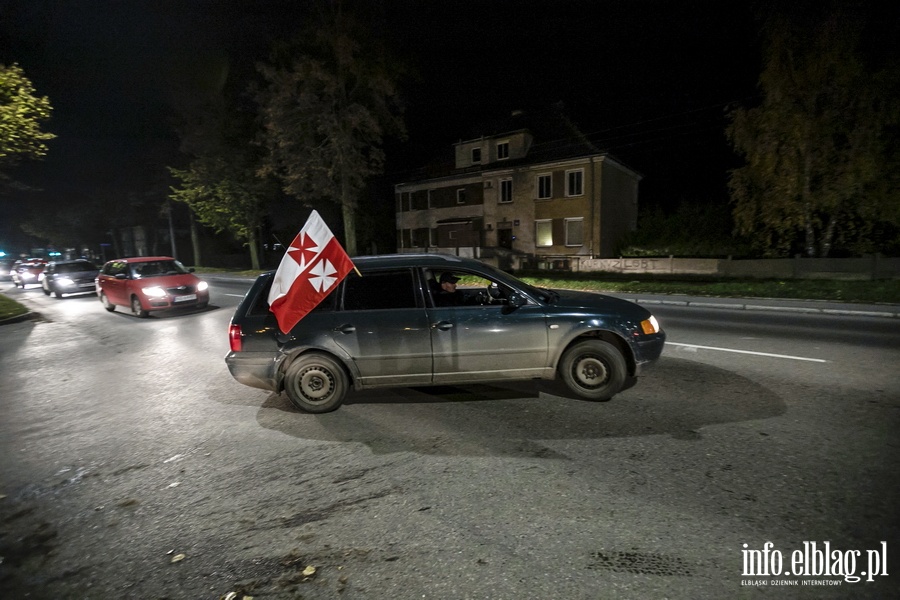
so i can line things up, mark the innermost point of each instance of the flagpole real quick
(357, 271)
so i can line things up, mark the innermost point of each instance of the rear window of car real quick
(260, 306)
(74, 267)
(380, 290)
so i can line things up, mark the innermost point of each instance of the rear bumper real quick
(255, 369)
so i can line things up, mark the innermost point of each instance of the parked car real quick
(26, 271)
(387, 327)
(69, 277)
(150, 283)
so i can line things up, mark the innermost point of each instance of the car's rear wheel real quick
(593, 369)
(316, 383)
(106, 303)
(46, 289)
(136, 308)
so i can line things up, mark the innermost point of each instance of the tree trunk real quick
(253, 242)
(348, 211)
(827, 238)
(195, 241)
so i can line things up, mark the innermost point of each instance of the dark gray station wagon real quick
(422, 319)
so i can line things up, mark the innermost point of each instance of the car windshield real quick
(157, 268)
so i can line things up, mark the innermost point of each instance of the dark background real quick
(648, 80)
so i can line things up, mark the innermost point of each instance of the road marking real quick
(235, 295)
(696, 347)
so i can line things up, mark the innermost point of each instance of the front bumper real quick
(647, 351)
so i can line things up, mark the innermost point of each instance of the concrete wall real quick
(873, 267)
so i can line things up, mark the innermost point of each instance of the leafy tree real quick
(694, 229)
(820, 150)
(328, 103)
(222, 184)
(21, 115)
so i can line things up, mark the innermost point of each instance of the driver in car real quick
(448, 295)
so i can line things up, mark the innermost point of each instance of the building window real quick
(461, 196)
(544, 187)
(575, 182)
(506, 190)
(543, 233)
(476, 155)
(502, 150)
(575, 231)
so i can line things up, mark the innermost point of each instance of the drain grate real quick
(642, 563)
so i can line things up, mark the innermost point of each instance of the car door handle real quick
(443, 325)
(346, 328)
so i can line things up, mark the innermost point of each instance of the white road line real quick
(235, 295)
(695, 346)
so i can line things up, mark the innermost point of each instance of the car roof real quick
(137, 259)
(70, 261)
(446, 261)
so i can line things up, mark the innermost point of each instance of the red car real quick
(149, 283)
(26, 272)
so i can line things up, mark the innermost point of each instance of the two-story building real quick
(531, 191)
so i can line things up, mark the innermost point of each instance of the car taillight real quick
(234, 337)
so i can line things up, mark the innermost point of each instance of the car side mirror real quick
(191, 269)
(516, 300)
(121, 276)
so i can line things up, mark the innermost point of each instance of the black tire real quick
(316, 383)
(593, 369)
(57, 293)
(106, 303)
(136, 308)
(46, 289)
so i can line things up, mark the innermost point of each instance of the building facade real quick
(535, 193)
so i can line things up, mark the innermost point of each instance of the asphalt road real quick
(135, 467)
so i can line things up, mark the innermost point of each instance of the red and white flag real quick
(314, 263)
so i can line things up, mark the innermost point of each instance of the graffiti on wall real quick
(626, 264)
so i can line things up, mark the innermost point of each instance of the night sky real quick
(648, 80)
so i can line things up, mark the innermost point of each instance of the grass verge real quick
(886, 291)
(10, 308)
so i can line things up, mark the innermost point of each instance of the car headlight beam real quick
(154, 291)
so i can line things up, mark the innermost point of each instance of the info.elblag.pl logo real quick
(813, 560)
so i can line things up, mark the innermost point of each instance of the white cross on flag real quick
(314, 263)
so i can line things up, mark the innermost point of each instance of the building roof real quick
(555, 138)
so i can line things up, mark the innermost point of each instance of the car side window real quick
(380, 290)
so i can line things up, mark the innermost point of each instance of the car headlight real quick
(202, 286)
(28, 275)
(154, 291)
(650, 326)
(65, 281)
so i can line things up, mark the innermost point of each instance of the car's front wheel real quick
(136, 308)
(106, 303)
(593, 369)
(46, 288)
(316, 383)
